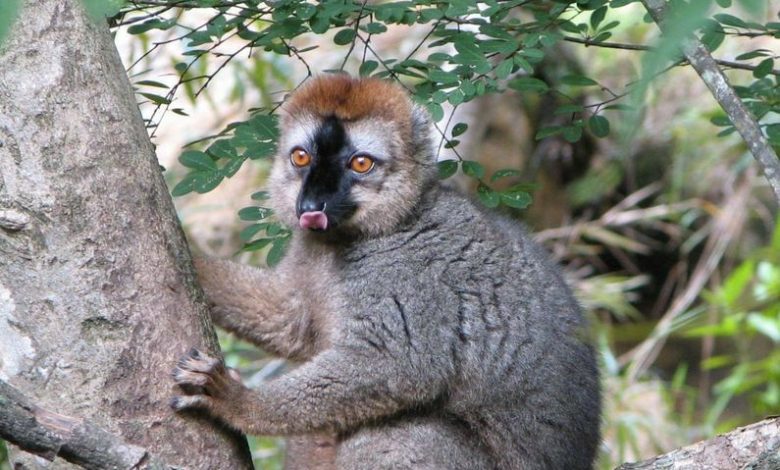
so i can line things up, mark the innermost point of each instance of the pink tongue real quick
(314, 220)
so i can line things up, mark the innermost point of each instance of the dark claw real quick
(175, 403)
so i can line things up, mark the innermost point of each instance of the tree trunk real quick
(97, 293)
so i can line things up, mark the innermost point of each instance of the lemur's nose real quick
(310, 205)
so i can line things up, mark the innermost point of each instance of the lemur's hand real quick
(207, 385)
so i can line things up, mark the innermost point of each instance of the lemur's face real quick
(341, 171)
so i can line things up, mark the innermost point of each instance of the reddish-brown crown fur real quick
(350, 99)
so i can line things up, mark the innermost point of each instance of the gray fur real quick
(444, 341)
(456, 319)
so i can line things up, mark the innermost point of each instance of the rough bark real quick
(49, 435)
(753, 447)
(97, 293)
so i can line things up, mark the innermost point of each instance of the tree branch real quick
(707, 68)
(641, 47)
(756, 446)
(49, 435)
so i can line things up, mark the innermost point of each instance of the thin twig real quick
(643, 48)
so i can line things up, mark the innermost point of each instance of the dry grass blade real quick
(727, 226)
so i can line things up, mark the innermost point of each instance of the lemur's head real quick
(354, 156)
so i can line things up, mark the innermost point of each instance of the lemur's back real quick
(467, 296)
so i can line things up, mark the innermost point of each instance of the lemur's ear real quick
(422, 135)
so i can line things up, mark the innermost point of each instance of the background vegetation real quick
(577, 117)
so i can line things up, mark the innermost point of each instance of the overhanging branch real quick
(49, 435)
(707, 68)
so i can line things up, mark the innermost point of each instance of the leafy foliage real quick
(3, 456)
(9, 10)
(748, 308)
(472, 48)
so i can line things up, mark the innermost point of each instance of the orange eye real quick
(361, 164)
(300, 158)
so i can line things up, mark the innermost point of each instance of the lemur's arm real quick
(255, 305)
(338, 389)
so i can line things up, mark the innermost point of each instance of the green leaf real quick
(206, 181)
(468, 51)
(597, 17)
(599, 126)
(265, 125)
(548, 131)
(533, 54)
(753, 54)
(436, 111)
(764, 68)
(523, 64)
(504, 68)
(276, 253)
(456, 97)
(721, 120)
(251, 230)
(375, 28)
(459, 129)
(452, 143)
(274, 229)
(572, 133)
(305, 11)
(154, 23)
(488, 196)
(504, 173)
(578, 80)
(197, 160)
(9, 11)
(730, 20)
(768, 327)
(516, 199)
(439, 57)
(445, 78)
(258, 244)
(223, 148)
(735, 284)
(713, 38)
(185, 186)
(232, 167)
(345, 36)
(568, 109)
(319, 23)
(473, 169)
(528, 84)
(254, 213)
(773, 133)
(260, 196)
(156, 99)
(367, 67)
(447, 168)
(99, 10)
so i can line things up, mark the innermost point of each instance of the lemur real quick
(430, 332)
